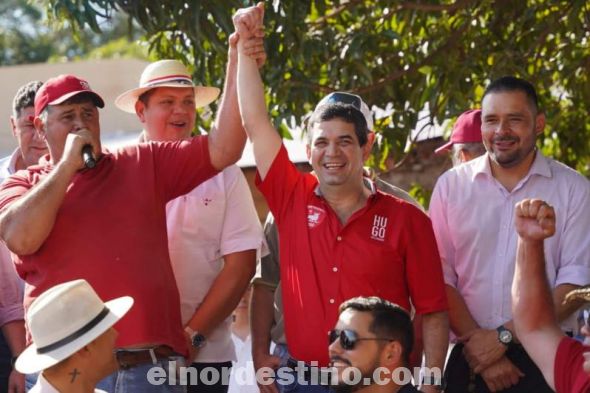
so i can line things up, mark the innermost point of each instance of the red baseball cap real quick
(467, 129)
(59, 89)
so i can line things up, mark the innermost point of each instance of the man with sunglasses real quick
(339, 237)
(373, 339)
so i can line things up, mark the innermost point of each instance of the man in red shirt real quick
(562, 360)
(107, 224)
(339, 237)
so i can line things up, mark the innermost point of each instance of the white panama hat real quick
(65, 318)
(165, 73)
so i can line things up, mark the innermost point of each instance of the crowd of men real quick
(168, 225)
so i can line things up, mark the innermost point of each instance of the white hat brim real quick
(30, 361)
(204, 95)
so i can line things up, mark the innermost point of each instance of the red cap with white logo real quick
(59, 89)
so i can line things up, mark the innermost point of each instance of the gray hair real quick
(475, 149)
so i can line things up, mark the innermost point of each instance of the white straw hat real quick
(165, 73)
(65, 318)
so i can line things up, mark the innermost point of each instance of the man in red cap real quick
(108, 224)
(465, 143)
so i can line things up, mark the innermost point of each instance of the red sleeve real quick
(183, 165)
(423, 264)
(568, 369)
(279, 184)
(13, 188)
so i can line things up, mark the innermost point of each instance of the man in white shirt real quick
(73, 338)
(214, 233)
(30, 148)
(472, 210)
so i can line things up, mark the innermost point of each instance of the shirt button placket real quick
(335, 268)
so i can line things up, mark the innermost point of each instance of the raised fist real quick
(534, 219)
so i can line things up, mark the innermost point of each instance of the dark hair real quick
(25, 97)
(512, 83)
(389, 320)
(345, 112)
(145, 96)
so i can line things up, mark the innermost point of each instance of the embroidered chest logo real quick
(379, 227)
(315, 216)
(207, 201)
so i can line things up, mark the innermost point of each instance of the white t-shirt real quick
(215, 219)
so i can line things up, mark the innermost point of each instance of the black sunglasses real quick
(344, 98)
(349, 338)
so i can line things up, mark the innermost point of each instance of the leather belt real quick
(131, 357)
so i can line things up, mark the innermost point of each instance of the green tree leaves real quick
(398, 54)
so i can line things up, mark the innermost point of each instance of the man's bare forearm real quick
(226, 292)
(435, 328)
(228, 138)
(460, 319)
(532, 299)
(266, 141)
(14, 333)
(26, 223)
(261, 317)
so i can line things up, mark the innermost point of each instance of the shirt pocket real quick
(203, 218)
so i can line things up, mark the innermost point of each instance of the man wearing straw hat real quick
(213, 231)
(108, 209)
(73, 338)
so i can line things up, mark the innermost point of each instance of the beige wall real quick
(109, 78)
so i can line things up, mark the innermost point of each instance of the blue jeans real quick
(146, 378)
(30, 381)
(282, 351)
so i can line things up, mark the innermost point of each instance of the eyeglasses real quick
(349, 338)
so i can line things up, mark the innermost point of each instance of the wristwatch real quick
(504, 335)
(437, 383)
(197, 339)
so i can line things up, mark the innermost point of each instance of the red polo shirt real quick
(386, 249)
(569, 367)
(111, 230)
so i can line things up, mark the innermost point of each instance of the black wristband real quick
(13, 361)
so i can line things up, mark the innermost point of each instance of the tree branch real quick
(432, 7)
(452, 40)
(322, 20)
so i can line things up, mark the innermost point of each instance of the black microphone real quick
(89, 160)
